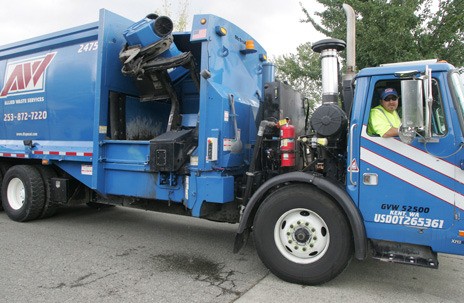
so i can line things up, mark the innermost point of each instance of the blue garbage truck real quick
(195, 123)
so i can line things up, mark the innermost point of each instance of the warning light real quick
(250, 44)
(249, 47)
(203, 21)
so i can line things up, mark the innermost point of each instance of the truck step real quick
(404, 253)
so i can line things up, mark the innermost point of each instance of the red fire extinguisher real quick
(287, 144)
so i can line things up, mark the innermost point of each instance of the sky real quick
(275, 24)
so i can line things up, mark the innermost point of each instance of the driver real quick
(384, 119)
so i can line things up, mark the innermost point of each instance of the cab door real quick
(404, 189)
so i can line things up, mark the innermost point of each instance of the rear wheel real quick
(3, 168)
(302, 236)
(23, 193)
(47, 173)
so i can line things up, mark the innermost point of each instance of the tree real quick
(397, 30)
(444, 33)
(180, 23)
(302, 71)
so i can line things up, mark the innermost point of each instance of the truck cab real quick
(410, 192)
(399, 197)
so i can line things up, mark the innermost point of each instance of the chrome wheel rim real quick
(301, 236)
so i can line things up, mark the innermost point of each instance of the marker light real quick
(221, 31)
(203, 21)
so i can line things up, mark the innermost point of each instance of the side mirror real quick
(407, 134)
(412, 113)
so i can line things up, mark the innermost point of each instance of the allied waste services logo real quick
(26, 76)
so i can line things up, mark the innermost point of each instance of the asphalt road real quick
(127, 255)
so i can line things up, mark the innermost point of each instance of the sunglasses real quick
(392, 98)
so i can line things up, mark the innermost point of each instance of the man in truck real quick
(384, 119)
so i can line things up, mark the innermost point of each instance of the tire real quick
(23, 195)
(3, 168)
(302, 236)
(47, 173)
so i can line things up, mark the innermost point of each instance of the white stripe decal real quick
(417, 155)
(413, 178)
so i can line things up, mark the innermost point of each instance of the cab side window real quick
(374, 128)
(437, 114)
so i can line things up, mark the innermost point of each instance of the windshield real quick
(457, 88)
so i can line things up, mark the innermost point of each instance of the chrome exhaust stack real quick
(329, 48)
(350, 42)
(329, 119)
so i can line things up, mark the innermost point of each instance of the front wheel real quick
(302, 236)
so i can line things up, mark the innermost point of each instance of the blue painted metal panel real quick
(170, 187)
(48, 87)
(222, 56)
(109, 77)
(391, 69)
(82, 171)
(125, 151)
(211, 187)
(130, 182)
(46, 42)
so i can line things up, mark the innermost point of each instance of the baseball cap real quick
(388, 92)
